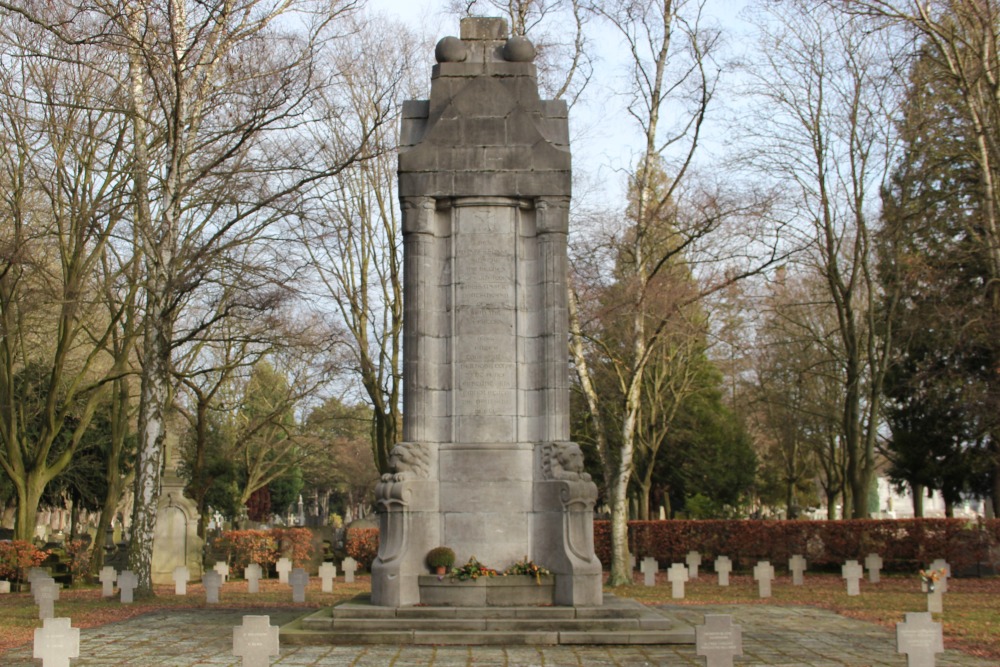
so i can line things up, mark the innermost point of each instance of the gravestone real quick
(252, 574)
(108, 577)
(797, 565)
(873, 562)
(127, 583)
(212, 581)
(299, 579)
(920, 638)
(327, 573)
(223, 570)
(723, 566)
(677, 575)
(349, 566)
(4, 586)
(181, 576)
(486, 464)
(718, 641)
(45, 591)
(256, 641)
(649, 568)
(763, 573)
(36, 573)
(935, 601)
(852, 572)
(175, 536)
(56, 642)
(942, 583)
(693, 561)
(283, 567)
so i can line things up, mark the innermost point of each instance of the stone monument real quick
(485, 466)
(175, 540)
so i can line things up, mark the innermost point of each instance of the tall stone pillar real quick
(486, 466)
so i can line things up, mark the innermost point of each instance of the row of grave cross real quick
(763, 573)
(719, 640)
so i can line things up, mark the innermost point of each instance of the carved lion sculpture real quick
(408, 460)
(564, 461)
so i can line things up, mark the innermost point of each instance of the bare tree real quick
(826, 96)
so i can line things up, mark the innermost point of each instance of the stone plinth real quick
(486, 466)
(509, 591)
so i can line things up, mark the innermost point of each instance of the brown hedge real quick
(903, 544)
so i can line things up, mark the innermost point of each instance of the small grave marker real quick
(127, 583)
(36, 573)
(693, 561)
(212, 581)
(108, 577)
(4, 586)
(718, 641)
(873, 562)
(299, 579)
(56, 642)
(797, 566)
(223, 570)
(942, 583)
(283, 567)
(919, 637)
(852, 572)
(327, 573)
(45, 591)
(723, 566)
(677, 575)
(649, 568)
(763, 573)
(252, 574)
(256, 641)
(181, 576)
(349, 566)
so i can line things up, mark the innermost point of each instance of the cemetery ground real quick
(971, 616)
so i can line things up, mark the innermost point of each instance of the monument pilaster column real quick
(552, 225)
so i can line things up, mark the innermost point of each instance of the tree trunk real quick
(918, 500)
(28, 495)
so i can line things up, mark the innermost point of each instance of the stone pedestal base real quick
(509, 591)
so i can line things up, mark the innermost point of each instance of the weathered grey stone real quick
(873, 562)
(797, 565)
(920, 638)
(56, 642)
(852, 572)
(107, 578)
(256, 641)
(723, 566)
(763, 574)
(484, 184)
(718, 640)
(252, 574)
(212, 581)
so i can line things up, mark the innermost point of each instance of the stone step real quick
(616, 622)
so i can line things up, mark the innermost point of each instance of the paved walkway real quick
(772, 635)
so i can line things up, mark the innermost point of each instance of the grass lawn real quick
(971, 606)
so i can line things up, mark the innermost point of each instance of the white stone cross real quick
(852, 572)
(299, 579)
(763, 573)
(36, 573)
(212, 581)
(223, 569)
(349, 566)
(127, 583)
(108, 577)
(873, 562)
(4, 586)
(181, 576)
(56, 642)
(256, 641)
(919, 637)
(283, 567)
(252, 574)
(797, 565)
(693, 561)
(718, 640)
(677, 575)
(46, 592)
(649, 568)
(942, 583)
(327, 573)
(723, 566)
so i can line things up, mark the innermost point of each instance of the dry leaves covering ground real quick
(971, 619)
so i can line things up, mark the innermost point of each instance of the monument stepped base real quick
(617, 621)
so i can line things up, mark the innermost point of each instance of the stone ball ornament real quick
(519, 50)
(450, 50)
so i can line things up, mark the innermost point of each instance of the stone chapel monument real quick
(486, 466)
